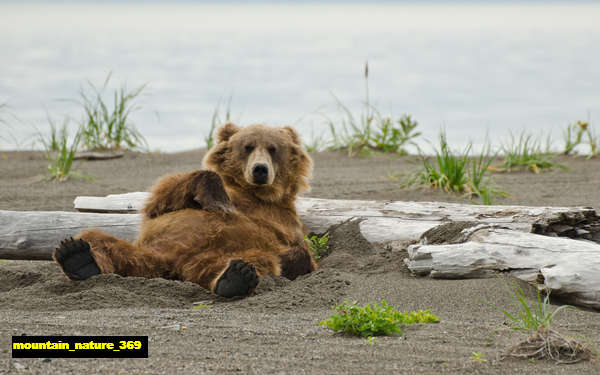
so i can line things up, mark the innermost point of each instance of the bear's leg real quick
(201, 190)
(295, 262)
(236, 274)
(94, 252)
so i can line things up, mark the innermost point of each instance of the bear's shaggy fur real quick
(223, 227)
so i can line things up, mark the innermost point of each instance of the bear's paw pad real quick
(76, 260)
(238, 280)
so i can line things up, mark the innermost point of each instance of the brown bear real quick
(223, 227)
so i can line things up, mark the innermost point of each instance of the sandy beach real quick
(277, 331)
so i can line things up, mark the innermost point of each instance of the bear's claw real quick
(238, 280)
(76, 260)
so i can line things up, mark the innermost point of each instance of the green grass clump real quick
(215, 121)
(392, 138)
(109, 128)
(374, 320)
(593, 141)
(527, 152)
(316, 143)
(574, 136)
(543, 342)
(370, 131)
(6, 133)
(458, 171)
(318, 245)
(531, 318)
(477, 357)
(59, 151)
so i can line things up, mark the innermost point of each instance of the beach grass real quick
(573, 136)
(106, 127)
(527, 152)
(532, 317)
(580, 133)
(458, 171)
(543, 342)
(217, 120)
(593, 142)
(369, 131)
(59, 151)
(6, 129)
(315, 143)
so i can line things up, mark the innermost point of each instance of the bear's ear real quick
(294, 134)
(226, 131)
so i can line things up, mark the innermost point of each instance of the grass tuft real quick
(316, 143)
(527, 152)
(7, 133)
(374, 319)
(318, 245)
(370, 131)
(108, 128)
(59, 151)
(392, 138)
(543, 342)
(458, 171)
(215, 122)
(531, 318)
(573, 136)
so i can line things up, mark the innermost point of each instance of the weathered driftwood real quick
(34, 235)
(485, 239)
(384, 221)
(568, 268)
(97, 155)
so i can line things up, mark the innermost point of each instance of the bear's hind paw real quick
(75, 259)
(238, 280)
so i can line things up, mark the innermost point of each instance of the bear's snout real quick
(260, 173)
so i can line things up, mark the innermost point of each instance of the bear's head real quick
(267, 162)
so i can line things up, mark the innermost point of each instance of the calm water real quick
(469, 68)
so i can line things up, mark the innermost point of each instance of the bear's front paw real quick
(76, 260)
(208, 192)
(238, 280)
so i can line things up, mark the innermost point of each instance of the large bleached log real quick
(520, 240)
(33, 235)
(568, 268)
(397, 220)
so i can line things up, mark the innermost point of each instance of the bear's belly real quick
(193, 231)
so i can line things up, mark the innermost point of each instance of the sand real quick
(277, 331)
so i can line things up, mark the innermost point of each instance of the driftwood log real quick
(552, 247)
(97, 155)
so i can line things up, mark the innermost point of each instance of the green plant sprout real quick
(375, 319)
(318, 245)
(477, 357)
(216, 121)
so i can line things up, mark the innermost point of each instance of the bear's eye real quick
(249, 148)
(272, 150)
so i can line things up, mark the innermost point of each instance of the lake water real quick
(471, 69)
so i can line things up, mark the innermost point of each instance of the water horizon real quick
(470, 69)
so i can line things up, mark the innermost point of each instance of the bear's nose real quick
(260, 172)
